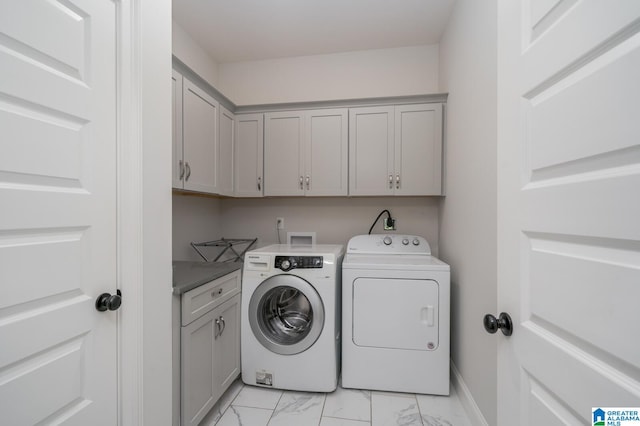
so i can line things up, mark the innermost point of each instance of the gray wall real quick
(468, 223)
(348, 75)
(195, 218)
(334, 219)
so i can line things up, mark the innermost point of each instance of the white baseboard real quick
(466, 399)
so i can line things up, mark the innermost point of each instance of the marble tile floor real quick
(245, 405)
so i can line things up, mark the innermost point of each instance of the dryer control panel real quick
(389, 244)
(286, 263)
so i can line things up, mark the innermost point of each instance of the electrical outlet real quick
(389, 224)
(280, 222)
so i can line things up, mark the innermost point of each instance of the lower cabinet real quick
(210, 358)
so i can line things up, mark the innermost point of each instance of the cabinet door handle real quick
(224, 325)
(301, 184)
(218, 332)
(397, 181)
(259, 183)
(216, 293)
(188, 171)
(181, 163)
(390, 181)
(308, 180)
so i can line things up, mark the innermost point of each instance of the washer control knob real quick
(387, 241)
(405, 241)
(285, 265)
(416, 242)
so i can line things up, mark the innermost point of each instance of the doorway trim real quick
(144, 258)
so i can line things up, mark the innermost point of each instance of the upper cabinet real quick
(306, 153)
(395, 150)
(358, 151)
(418, 149)
(196, 145)
(248, 155)
(225, 168)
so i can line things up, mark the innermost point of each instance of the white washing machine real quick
(395, 316)
(290, 327)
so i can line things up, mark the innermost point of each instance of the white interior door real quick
(569, 209)
(57, 220)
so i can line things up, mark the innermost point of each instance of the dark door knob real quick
(503, 322)
(107, 301)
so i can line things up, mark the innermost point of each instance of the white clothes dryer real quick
(395, 317)
(290, 326)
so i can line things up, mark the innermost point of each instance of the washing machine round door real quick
(286, 314)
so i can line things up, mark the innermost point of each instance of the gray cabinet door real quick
(200, 138)
(248, 155)
(283, 153)
(371, 151)
(418, 149)
(326, 152)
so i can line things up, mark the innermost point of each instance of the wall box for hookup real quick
(301, 238)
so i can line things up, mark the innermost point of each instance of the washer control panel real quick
(286, 263)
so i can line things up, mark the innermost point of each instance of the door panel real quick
(395, 313)
(57, 225)
(590, 264)
(283, 153)
(371, 149)
(248, 158)
(418, 149)
(200, 138)
(569, 238)
(327, 152)
(568, 146)
(225, 160)
(178, 168)
(197, 369)
(228, 345)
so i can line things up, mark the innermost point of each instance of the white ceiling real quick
(245, 30)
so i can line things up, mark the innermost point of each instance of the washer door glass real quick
(286, 314)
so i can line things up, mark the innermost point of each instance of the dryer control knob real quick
(416, 242)
(285, 265)
(405, 242)
(387, 241)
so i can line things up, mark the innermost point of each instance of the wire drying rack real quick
(228, 246)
